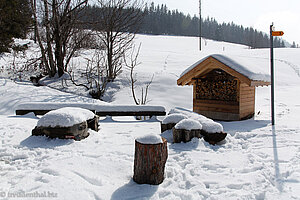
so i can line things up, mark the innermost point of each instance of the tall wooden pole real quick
(200, 25)
(272, 76)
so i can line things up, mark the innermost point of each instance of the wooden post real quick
(272, 76)
(149, 162)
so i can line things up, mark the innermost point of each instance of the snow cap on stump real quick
(150, 139)
(65, 117)
(211, 126)
(174, 118)
(188, 124)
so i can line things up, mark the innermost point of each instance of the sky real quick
(259, 14)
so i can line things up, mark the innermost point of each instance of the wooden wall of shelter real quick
(219, 92)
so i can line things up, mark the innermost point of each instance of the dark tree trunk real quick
(59, 59)
(149, 162)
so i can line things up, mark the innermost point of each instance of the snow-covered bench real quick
(41, 108)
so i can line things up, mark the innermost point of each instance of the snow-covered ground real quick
(257, 161)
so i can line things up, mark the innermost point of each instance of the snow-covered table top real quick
(65, 117)
(90, 106)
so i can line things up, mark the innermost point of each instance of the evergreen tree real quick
(15, 21)
(159, 20)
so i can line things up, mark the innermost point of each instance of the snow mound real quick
(150, 139)
(189, 124)
(65, 117)
(208, 125)
(174, 118)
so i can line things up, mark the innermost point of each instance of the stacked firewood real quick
(217, 86)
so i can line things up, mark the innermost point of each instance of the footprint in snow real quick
(50, 172)
(92, 181)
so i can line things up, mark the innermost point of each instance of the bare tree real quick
(95, 78)
(131, 65)
(117, 24)
(60, 24)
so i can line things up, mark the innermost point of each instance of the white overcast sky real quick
(258, 14)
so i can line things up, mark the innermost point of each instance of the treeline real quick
(159, 20)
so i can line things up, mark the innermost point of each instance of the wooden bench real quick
(41, 108)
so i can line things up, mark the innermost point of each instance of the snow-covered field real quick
(257, 161)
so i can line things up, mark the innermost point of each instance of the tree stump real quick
(182, 135)
(165, 127)
(76, 132)
(213, 138)
(149, 162)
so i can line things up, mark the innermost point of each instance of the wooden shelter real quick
(224, 89)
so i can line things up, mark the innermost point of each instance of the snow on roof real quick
(65, 117)
(208, 125)
(174, 118)
(189, 124)
(256, 69)
(150, 139)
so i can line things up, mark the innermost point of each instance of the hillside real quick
(257, 161)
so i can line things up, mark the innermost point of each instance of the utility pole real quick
(200, 25)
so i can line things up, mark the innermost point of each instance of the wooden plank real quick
(102, 113)
(247, 90)
(242, 115)
(200, 101)
(216, 105)
(247, 110)
(129, 113)
(36, 112)
(247, 96)
(236, 110)
(260, 83)
(224, 116)
(246, 100)
(245, 104)
(201, 67)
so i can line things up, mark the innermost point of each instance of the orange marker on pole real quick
(277, 33)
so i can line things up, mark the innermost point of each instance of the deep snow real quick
(173, 118)
(257, 161)
(189, 124)
(65, 117)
